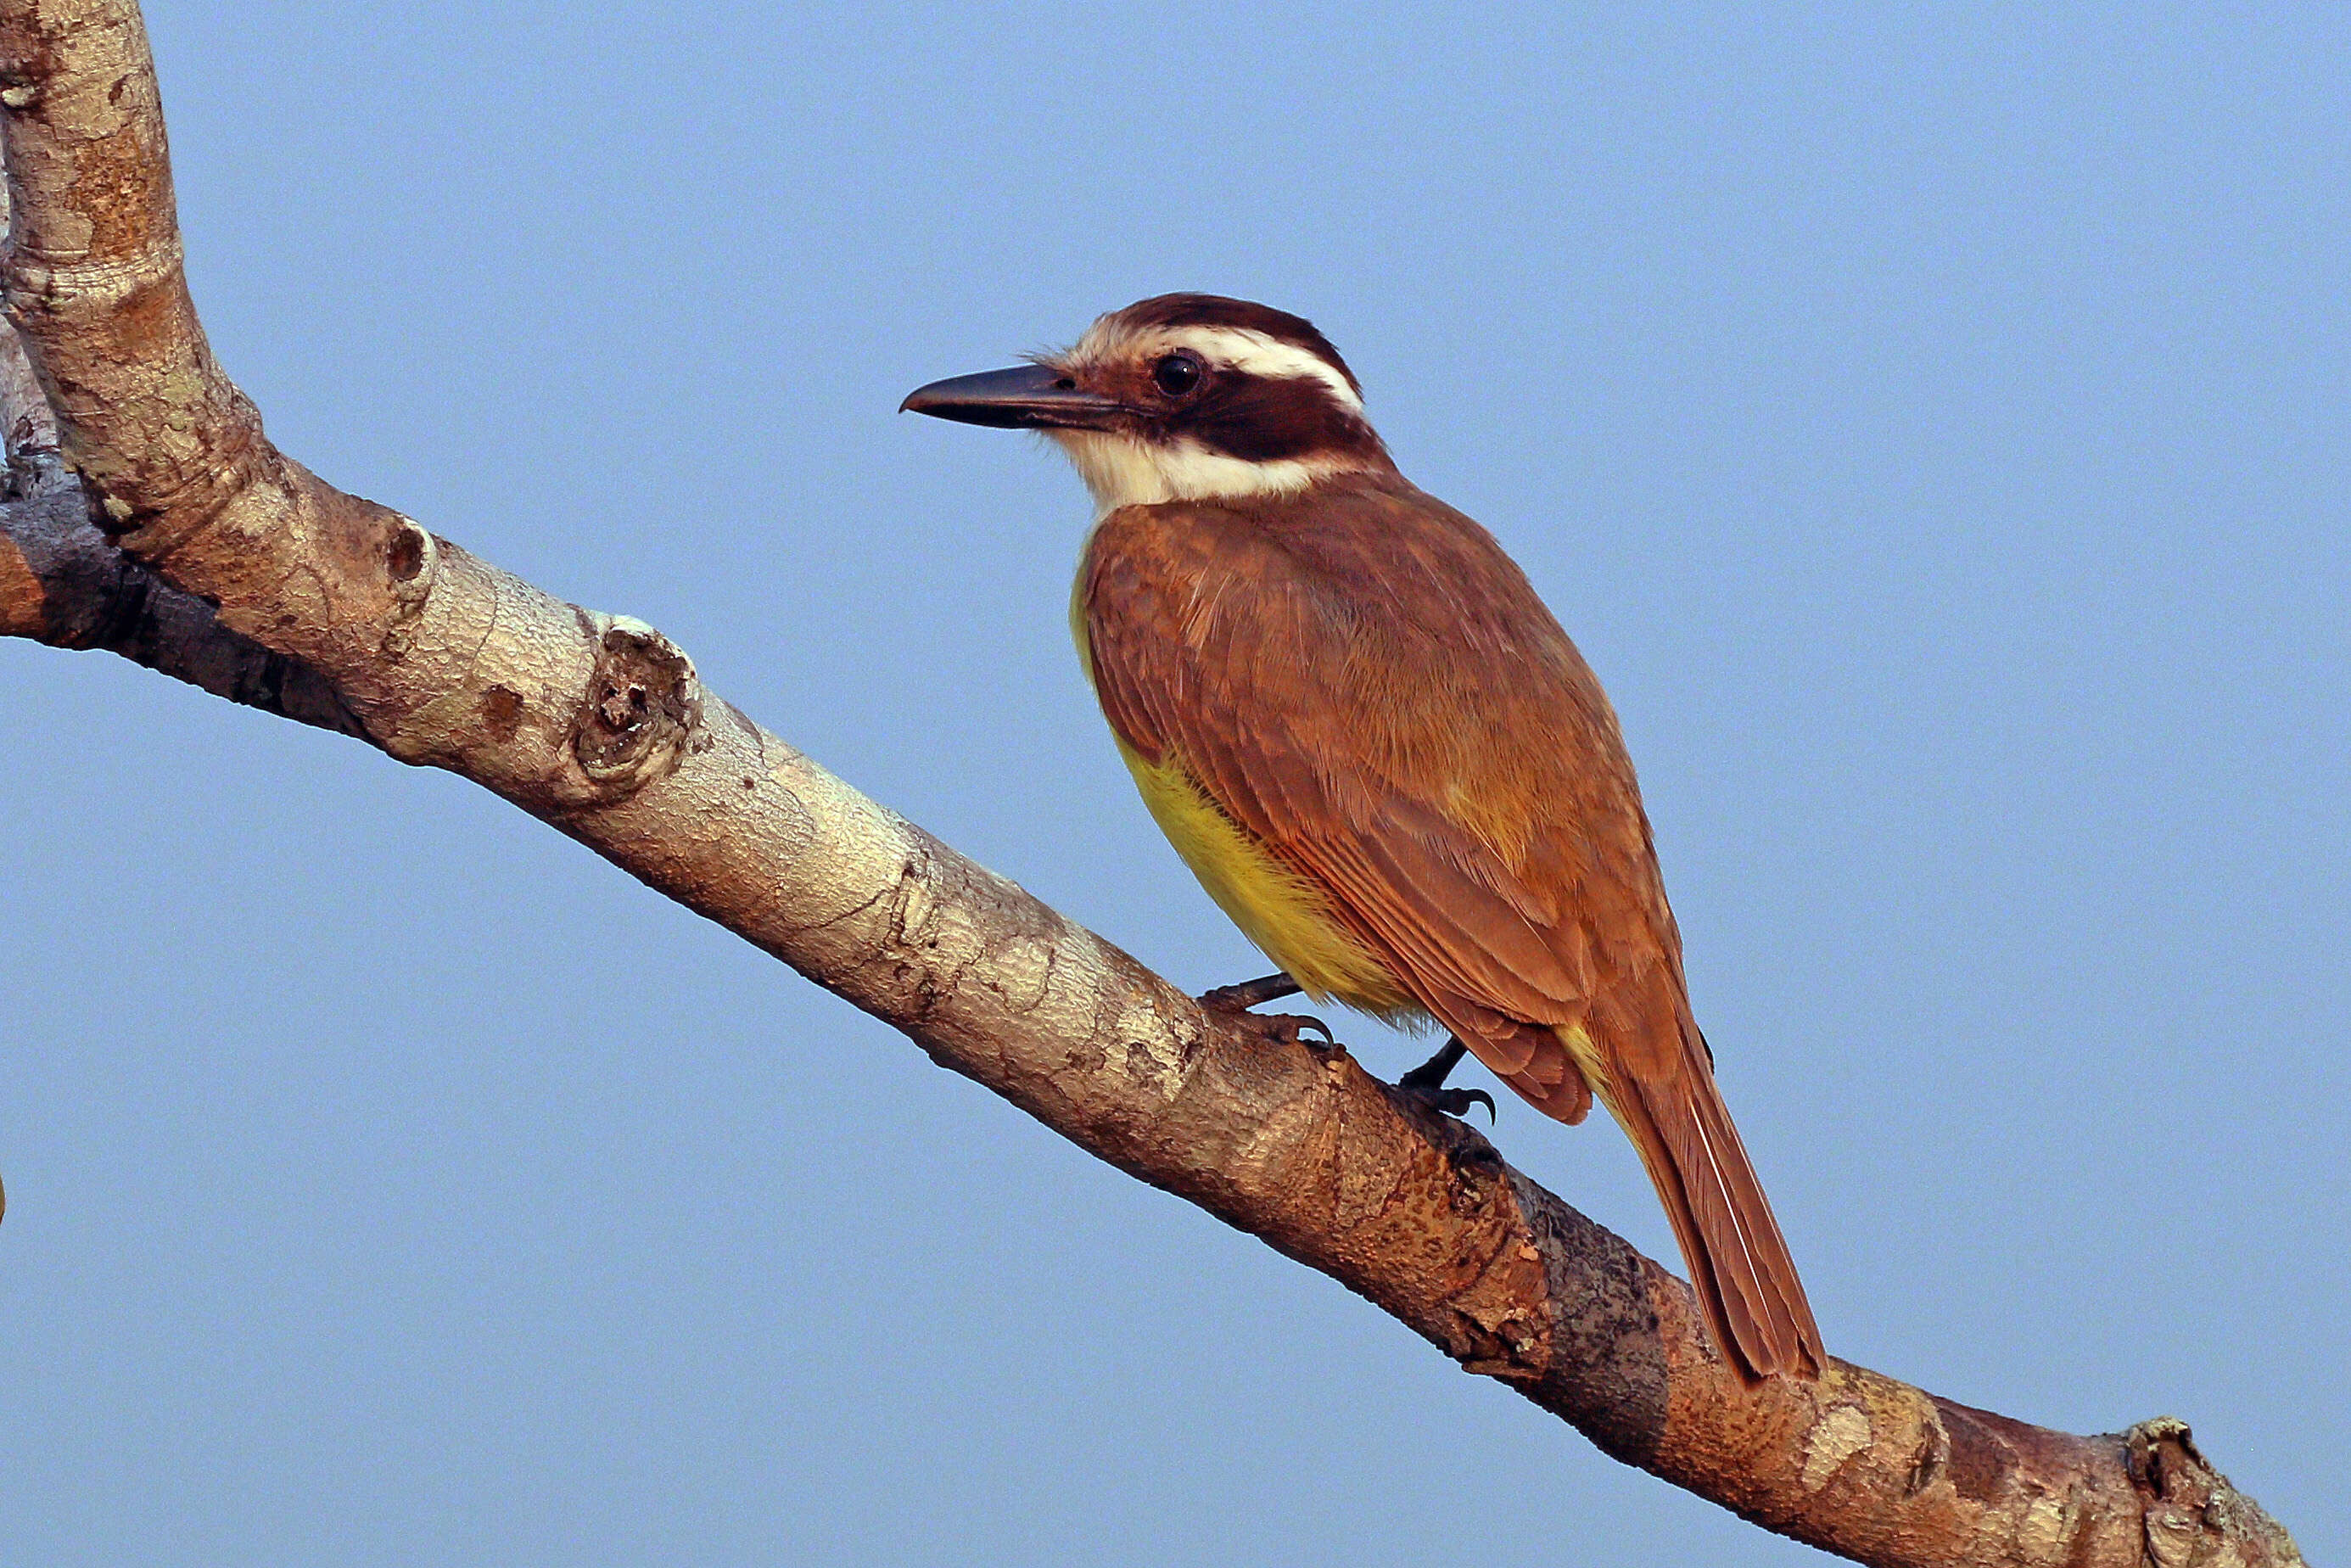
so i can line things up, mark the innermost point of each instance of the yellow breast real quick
(1287, 916)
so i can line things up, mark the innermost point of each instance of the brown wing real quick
(1369, 687)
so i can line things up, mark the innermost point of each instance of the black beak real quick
(1029, 397)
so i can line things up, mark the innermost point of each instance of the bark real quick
(168, 529)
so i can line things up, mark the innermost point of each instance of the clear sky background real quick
(1930, 421)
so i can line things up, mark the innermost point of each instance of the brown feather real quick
(1367, 686)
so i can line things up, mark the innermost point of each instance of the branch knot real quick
(2195, 1519)
(642, 711)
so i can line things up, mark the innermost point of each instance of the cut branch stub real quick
(2195, 1519)
(560, 709)
(643, 706)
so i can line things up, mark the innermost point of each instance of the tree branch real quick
(189, 542)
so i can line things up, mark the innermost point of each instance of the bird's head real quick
(1184, 397)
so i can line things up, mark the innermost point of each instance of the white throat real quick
(1126, 471)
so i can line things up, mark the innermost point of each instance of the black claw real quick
(1426, 1083)
(1305, 1023)
(1458, 1100)
(1452, 1101)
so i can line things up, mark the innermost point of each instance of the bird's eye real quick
(1179, 373)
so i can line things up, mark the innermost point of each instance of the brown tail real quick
(1738, 1260)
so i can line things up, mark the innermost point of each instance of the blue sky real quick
(1928, 419)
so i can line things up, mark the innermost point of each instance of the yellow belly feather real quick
(1284, 915)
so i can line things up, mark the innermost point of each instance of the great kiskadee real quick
(1380, 754)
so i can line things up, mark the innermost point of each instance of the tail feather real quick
(1738, 1262)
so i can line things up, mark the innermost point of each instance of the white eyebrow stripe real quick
(1254, 353)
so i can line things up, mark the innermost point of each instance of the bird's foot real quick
(1234, 1002)
(1426, 1083)
(1249, 994)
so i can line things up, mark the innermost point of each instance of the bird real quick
(1375, 748)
